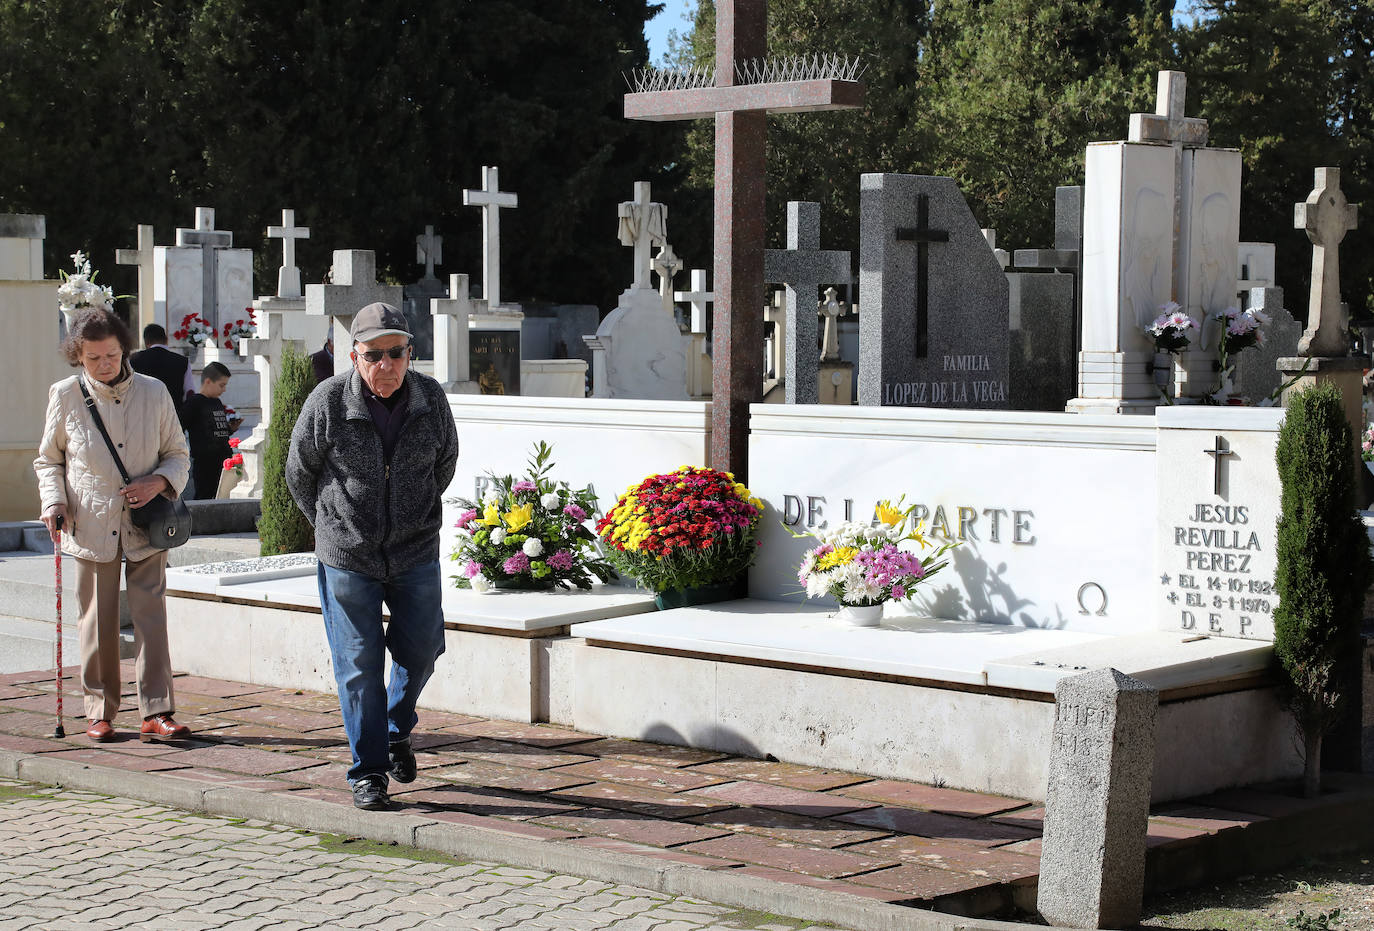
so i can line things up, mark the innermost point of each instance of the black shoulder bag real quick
(166, 520)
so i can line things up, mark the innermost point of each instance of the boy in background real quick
(208, 429)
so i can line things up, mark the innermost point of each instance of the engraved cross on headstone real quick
(803, 267)
(923, 235)
(1218, 452)
(288, 276)
(491, 199)
(429, 251)
(209, 239)
(1327, 217)
(143, 258)
(740, 110)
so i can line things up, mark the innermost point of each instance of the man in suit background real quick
(171, 368)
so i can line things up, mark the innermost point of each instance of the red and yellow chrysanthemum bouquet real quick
(687, 529)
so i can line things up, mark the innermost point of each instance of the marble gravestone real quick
(202, 274)
(429, 252)
(1043, 318)
(1257, 376)
(353, 285)
(933, 318)
(1097, 804)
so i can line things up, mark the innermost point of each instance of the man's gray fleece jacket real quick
(370, 516)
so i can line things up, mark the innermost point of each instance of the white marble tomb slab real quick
(177, 285)
(916, 648)
(233, 287)
(1215, 553)
(1073, 497)
(1210, 231)
(1128, 236)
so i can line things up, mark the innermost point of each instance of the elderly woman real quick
(83, 493)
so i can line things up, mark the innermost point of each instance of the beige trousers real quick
(97, 591)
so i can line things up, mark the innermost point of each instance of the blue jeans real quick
(373, 712)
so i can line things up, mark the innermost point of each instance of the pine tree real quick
(1324, 569)
(283, 528)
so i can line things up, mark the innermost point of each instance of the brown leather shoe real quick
(100, 731)
(162, 727)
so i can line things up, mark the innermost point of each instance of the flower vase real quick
(860, 615)
(1162, 368)
(524, 583)
(701, 594)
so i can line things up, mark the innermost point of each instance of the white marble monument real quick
(202, 274)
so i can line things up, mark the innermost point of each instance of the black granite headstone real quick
(932, 297)
(494, 358)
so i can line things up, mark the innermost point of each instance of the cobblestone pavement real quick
(78, 860)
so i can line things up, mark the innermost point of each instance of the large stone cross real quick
(266, 352)
(429, 251)
(143, 258)
(209, 239)
(641, 225)
(353, 285)
(491, 199)
(1327, 217)
(1167, 123)
(740, 109)
(451, 361)
(698, 298)
(803, 267)
(288, 276)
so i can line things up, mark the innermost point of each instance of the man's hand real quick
(55, 514)
(142, 490)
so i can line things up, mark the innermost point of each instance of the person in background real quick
(208, 427)
(171, 368)
(82, 493)
(323, 359)
(371, 455)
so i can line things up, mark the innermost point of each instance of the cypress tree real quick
(1323, 570)
(282, 527)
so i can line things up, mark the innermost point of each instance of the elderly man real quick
(371, 455)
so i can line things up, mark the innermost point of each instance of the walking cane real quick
(57, 562)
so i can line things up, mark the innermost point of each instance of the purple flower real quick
(898, 591)
(464, 518)
(523, 485)
(575, 512)
(516, 564)
(473, 568)
(562, 561)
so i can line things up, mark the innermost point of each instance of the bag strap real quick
(90, 406)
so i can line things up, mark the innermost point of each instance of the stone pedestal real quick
(1347, 373)
(1092, 870)
(836, 383)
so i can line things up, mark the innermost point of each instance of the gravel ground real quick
(1272, 902)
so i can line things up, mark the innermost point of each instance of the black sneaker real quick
(369, 794)
(402, 760)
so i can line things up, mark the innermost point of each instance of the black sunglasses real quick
(375, 355)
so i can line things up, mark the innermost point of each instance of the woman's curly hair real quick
(94, 325)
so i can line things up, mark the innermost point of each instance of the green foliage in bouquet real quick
(529, 532)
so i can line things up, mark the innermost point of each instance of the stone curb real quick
(479, 843)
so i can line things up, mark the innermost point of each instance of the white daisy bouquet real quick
(79, 291)
(864, 564)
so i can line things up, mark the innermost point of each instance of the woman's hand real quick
(142, 490)
(53, 517)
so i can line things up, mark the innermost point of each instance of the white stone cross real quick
(143, 258)
(642, 224)
(209, 239)
(699, 298)
(451, 314)
(666, 264)
(1326, 217)
(353, 285)
(491, 199)
(832, 308)
(288, 276)
(429, 250)
(266, 352)
(1167, 123)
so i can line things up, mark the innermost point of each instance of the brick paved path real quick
(81, 861)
